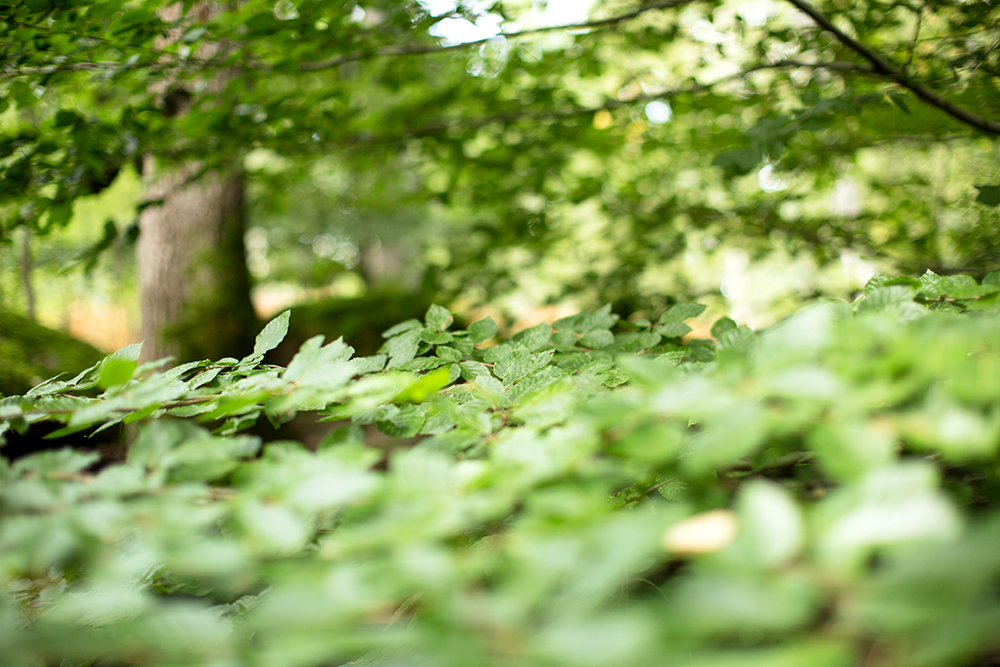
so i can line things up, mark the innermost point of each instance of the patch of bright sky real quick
(454, 30)
(659, 112)
(769, 181)
(758, 12)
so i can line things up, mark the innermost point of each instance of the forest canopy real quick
(522, 152)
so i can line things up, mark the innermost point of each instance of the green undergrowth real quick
(591, 492)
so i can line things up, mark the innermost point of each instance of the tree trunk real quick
(29, 288)
(194, 282)
(193, 277)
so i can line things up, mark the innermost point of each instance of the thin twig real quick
(786, 461)
(916, 35)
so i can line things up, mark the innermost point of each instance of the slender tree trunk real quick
(29, 288)
(192, 269)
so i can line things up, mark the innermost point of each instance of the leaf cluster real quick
(587, 492)
(555, 115)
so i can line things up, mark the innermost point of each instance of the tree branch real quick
(836, 65)
(337, 61)
(887, 69)
(424, 49)
(442, 127)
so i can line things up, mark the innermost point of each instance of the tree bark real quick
(193, 276)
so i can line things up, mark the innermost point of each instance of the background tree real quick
(561, 161)
(193, 277)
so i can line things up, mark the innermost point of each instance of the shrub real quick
(594, 492)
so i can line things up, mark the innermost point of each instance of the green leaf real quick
(57, 462)
(682, 312)
(929, 284)
(105, 9)
(115, 371)
(489, 388)
(193, 35)
(462, 344)
(157, 438)
(436, 337)
(405, 422)
(448, 353)
(482, 330)
(725, 604)
(65, 118)
(736, 343)
(402, 347)
(351, 434)
(438, 318)
(771, 525)
(965, 287)
(272, 334)
(891, 505)
(892, 298)
(402, 327)
(988, 195)
(263, 23)
(117, 367)
(473, 369)
(583, 322)
(138, 15)
(318, 366)
(423, 364)
(733, 433)
(722, 325)
(671, 323)
(534, 338)
(597, 339)
(899, 99)
(738, 161)
(520, 363)
(128, 353)
(672, 329)
(428, 384)
(208, 459)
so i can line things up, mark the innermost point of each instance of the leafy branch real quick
(788, 464)
(337, 61)
(429, 49)
(527, 115)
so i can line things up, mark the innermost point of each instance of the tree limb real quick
(445, 126)
(424, 49)
(337, 61)
(891, 71)
(835, 65)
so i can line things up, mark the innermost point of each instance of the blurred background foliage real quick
(726, 151)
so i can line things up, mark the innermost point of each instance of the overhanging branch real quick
(337, 61)
(887, 69)
(424, 49)
(444, 127)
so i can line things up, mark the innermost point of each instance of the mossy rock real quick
(31, 353)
